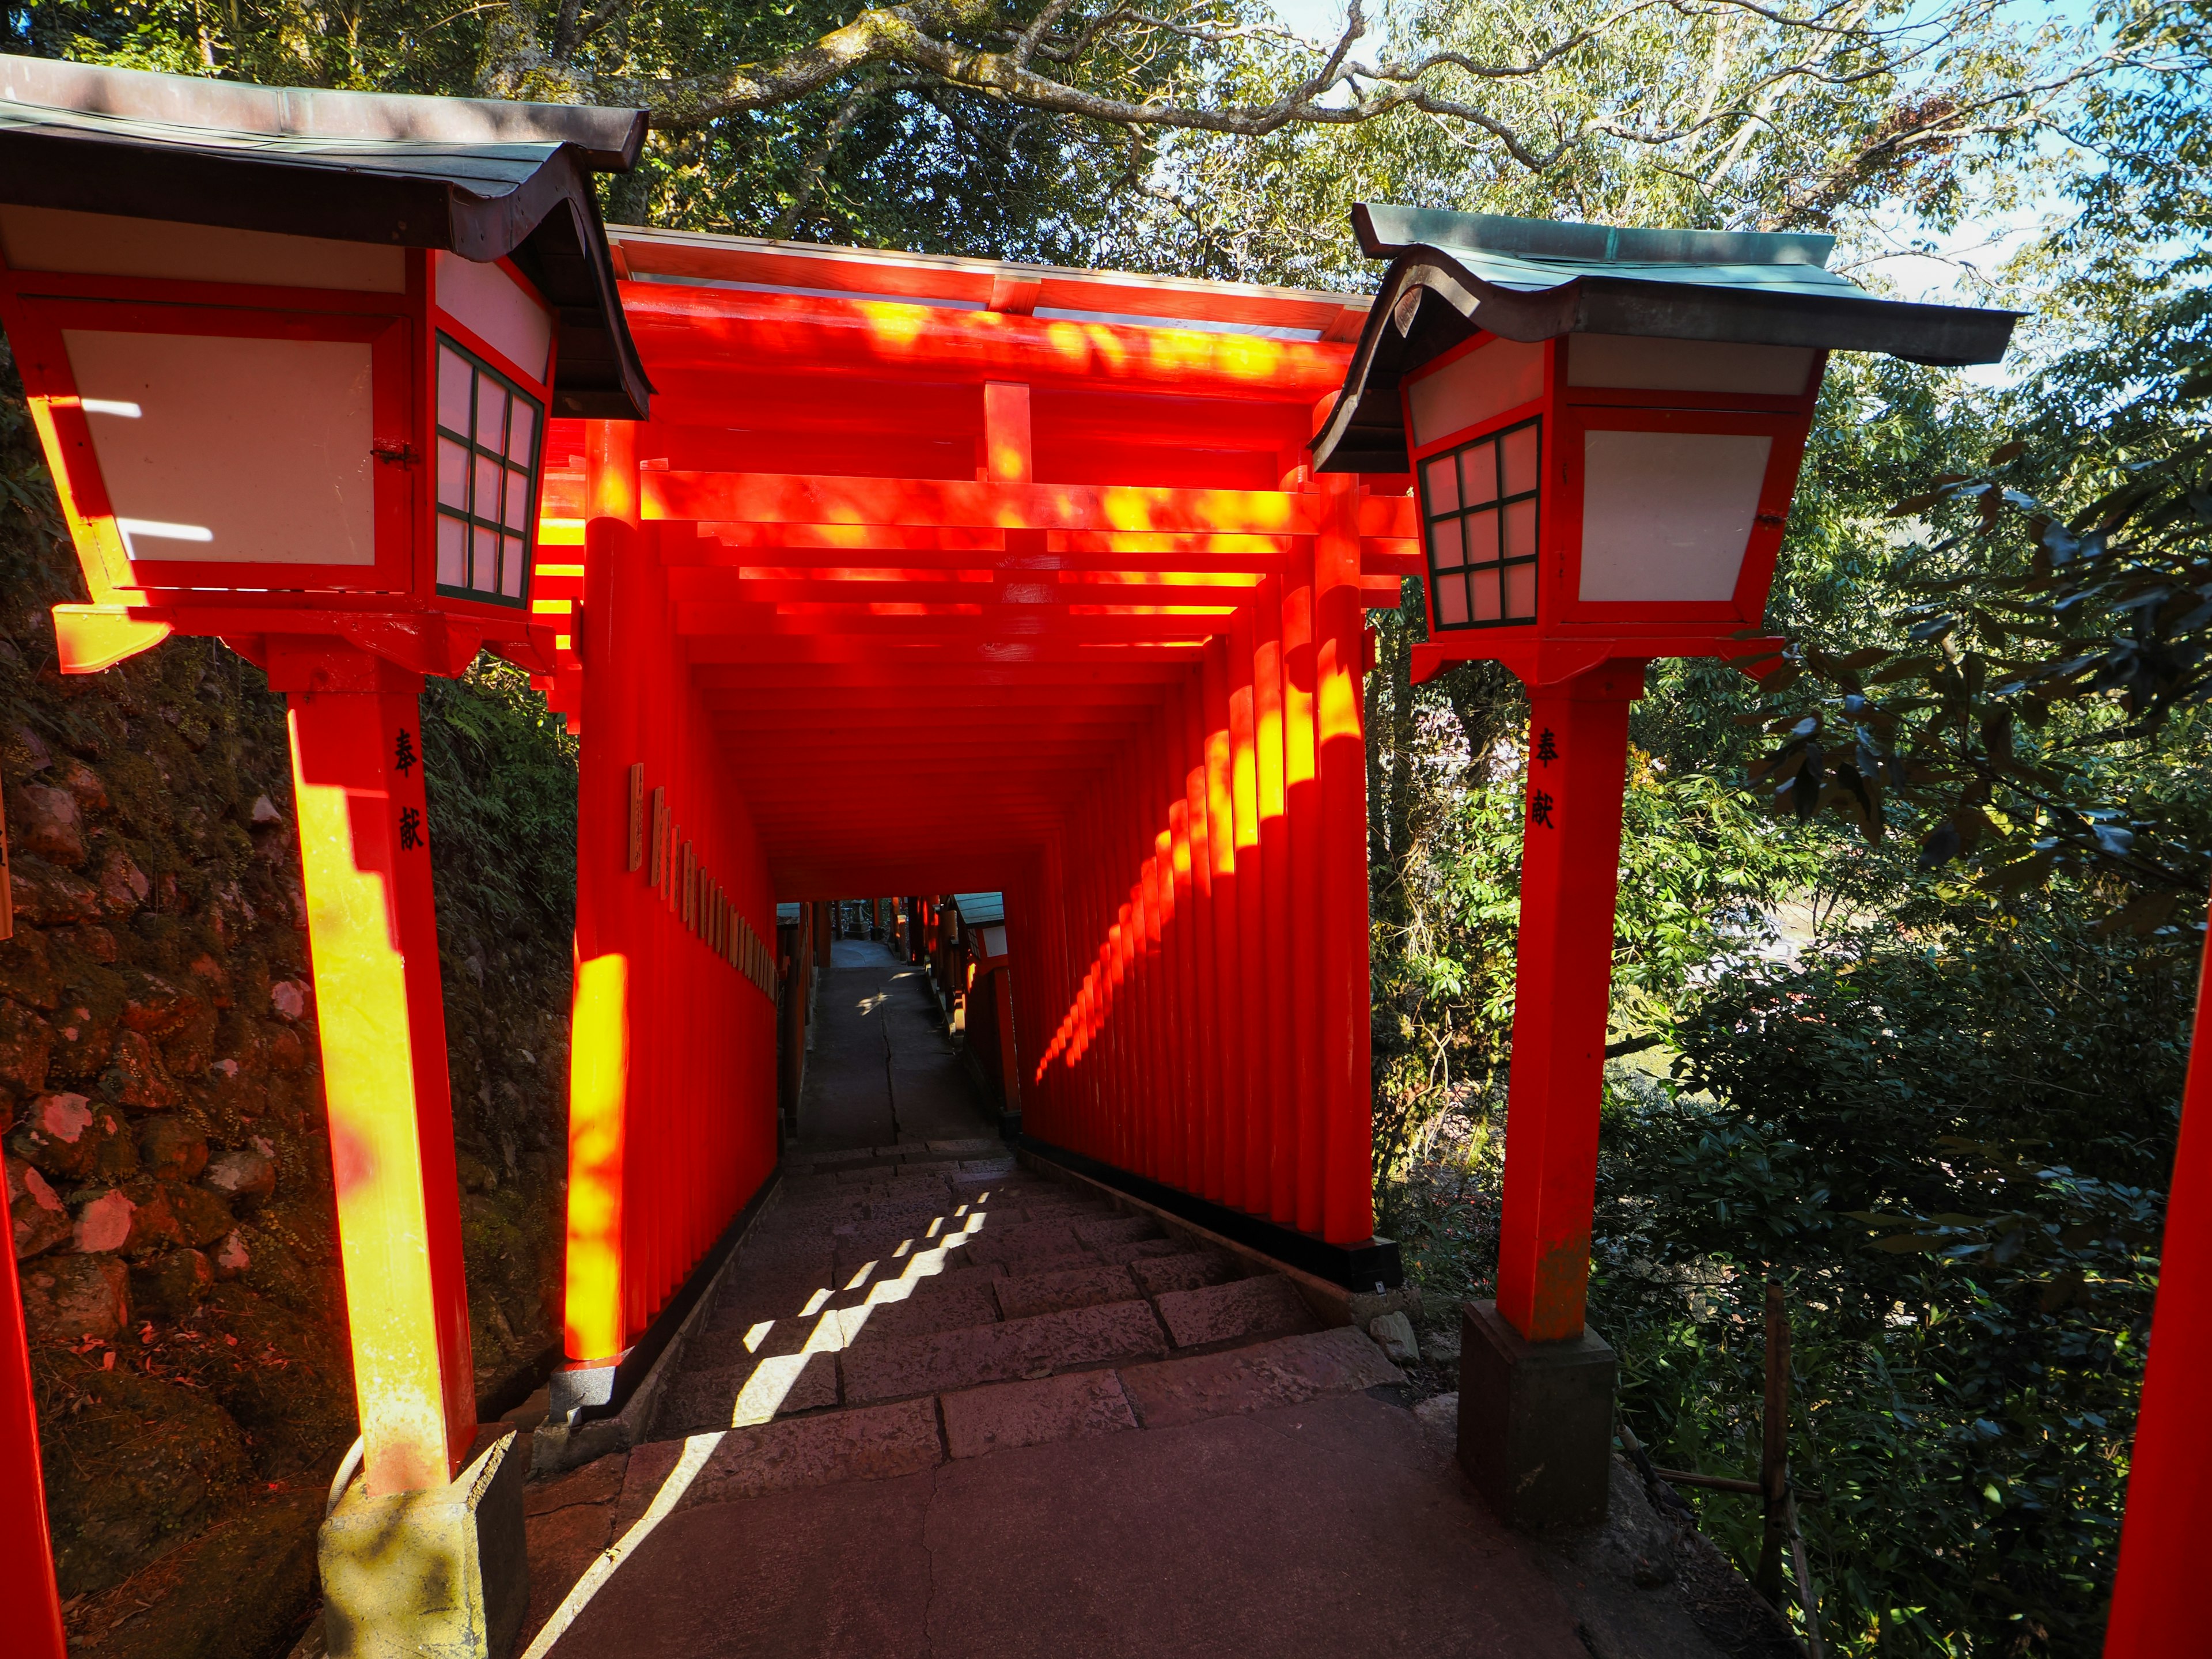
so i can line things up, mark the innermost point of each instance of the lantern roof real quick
(981, 910)
(480, 178)
(1455, 274)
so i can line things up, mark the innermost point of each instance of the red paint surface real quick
(30, 1606)
(1563, 975)
(2158, 1605)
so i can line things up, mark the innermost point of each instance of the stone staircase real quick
(935, 1300)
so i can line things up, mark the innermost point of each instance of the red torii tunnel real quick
(929, 574)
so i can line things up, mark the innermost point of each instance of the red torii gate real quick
(968, 575)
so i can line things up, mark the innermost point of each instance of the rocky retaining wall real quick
(168, 1166)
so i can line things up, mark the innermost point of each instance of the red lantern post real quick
(294, 394)
(1604, 428)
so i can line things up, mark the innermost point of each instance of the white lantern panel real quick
(1451, 601)
(1487, 381)
(229, 450)
(1442, 475)
(1666, 515)
(497, 308)
(112, 245)
(1635, 363)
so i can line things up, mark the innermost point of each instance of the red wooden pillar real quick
(1301, 910)
(1577, 760)
(1250, 1154)
(355, 725)
(1202, 1134)
(30, 1606)
(2157, 1598)
(1224, 1163)
(614, 904)
(1339, 664)
(1276, 901)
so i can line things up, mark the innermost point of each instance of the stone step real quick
(1187, 1270)
(903, 1366)
(747, 1301)
(1056, 1292)
(1006, 1416)
(1111, 1231)
(759, 1391)
(960, 1306)
(1288, 1371)
(875, 1443)
(1238, 1311)
(735, 1345)
(1122, 1255)
(994, 1242)
(1029, 1265)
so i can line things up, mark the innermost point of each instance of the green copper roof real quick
(981, 909)
(1531, 255)
(1454, 275)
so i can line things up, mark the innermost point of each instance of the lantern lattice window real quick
(1479, 508)
(489, 430)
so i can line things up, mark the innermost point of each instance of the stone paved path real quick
(946, 1405)
(882, 1068)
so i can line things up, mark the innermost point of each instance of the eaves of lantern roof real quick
(480, 178)
(981, 910)
(1454, 275)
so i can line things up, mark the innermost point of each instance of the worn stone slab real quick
(1007, 1415)
(1244, 1308)
(1286, 1372)
(979, 1147)
(987, 1166)
(791, 1251)
(1321, 1534)
(1188, 1271)
(747, 1301)
(1063, 1209)
(1122, 1255)
(955, 1308)
(599, 1481)
(822, 1572)
(1117, 1229)
(839, 1157)
(1025, 1266)
(1020, 1348)
(1079, 1287)
(560, 1544)
(873, 1442)
(720, 1347)
(1033, 1238)
(936, 1273)
(698, 1402)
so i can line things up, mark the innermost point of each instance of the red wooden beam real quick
(816, 499)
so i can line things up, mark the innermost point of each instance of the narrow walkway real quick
(945, 1405)
(883, 1070)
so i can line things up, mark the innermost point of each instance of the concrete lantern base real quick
(441, 1572)
(1535, 1420)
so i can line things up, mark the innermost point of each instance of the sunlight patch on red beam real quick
(1161, 578)
(764, 572)
(1151, 610)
